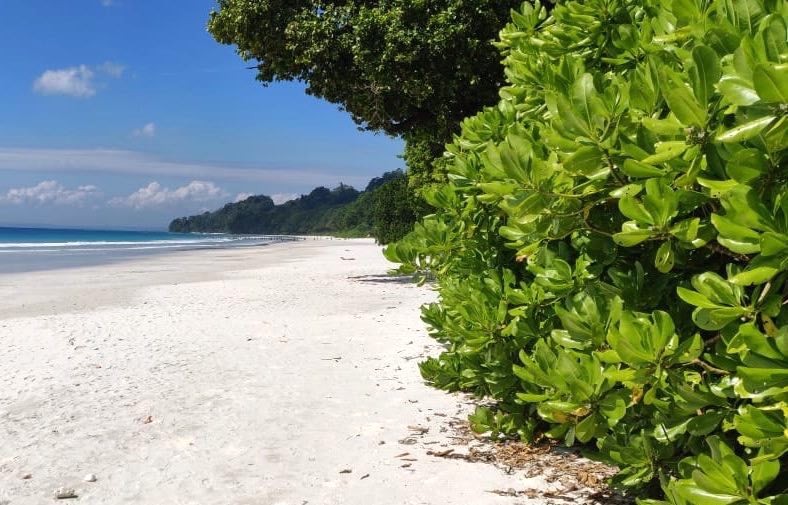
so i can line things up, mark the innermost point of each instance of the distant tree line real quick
(386, 210)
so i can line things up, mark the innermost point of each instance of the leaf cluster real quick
(611, 247)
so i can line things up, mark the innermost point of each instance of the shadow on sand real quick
(383, 279)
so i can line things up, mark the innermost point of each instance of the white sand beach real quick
(284, 375)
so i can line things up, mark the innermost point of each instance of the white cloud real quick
(154, 195)
(73, 81)
(107, 3)
(240, 197)
(79, 82)
(112, 69)
(106, 161)
(51, 192)
(149, 130)
(280, 198)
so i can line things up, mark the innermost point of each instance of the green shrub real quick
(611, 248)
(395, 210)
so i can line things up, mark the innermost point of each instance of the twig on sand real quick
(420, 430)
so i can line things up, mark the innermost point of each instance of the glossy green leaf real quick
(634, 168)
(665, 258)
(771, 82)
(738, 91)
(585, 161)
(696, 299)
(764, 474)
(739, 239)
(687, 230)
(666, 151)
(757, 275)
(705, 73)
(745, 131)
(704, 424)
(667, 126)
(746, 165)
(632, 235)
(681, 100)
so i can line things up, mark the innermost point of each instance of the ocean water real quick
(28, 249)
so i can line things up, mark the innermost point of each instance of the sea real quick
(31, 249)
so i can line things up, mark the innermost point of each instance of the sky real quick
(126, 113)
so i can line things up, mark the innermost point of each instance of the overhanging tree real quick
(410, 68)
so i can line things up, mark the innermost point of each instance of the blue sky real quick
(127, 113)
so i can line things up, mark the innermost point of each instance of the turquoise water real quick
(26, 249)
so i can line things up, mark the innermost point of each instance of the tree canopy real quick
(398, 66)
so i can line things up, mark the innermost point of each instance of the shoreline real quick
(25, 260)
(277, 375)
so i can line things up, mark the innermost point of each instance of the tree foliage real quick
(611, 249)
(386, 63)
(395, 211)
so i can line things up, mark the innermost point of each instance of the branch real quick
(710, 368)
(717, 248)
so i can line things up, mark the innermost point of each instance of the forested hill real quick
(384, 210)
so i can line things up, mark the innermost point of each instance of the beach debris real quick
(27, 476)
(408, 441)
(536, 493)
(575, 477)
(347, 259)
(147, 419)
(419, 430)
(337, 359)
(508, 492)
(364, 476)
(406, 465)
(346, 470)
(65, 493)
(91, 477)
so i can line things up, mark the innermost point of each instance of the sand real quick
(283, 375)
